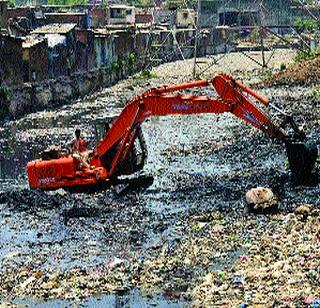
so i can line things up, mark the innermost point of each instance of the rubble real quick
(301, 73)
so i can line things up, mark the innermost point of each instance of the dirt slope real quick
(302, 73)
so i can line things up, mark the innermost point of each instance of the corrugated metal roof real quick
(54, 29)
(31, 40)
(65, 14)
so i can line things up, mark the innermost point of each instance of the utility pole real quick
(261, 32)
(197, 33)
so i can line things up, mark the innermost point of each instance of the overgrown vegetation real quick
(67, 2)
(147, 75)
(314, 93)
(254, 36)
(269, 73)
(132, 62)
(11, 3)
(137, 3)
(306, 25)
(306, 54)
(129, 63)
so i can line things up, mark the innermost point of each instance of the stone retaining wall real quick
(29, 97)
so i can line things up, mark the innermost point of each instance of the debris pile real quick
(268, 260)
(261, 200)
(282, 267)
(301, 73)
(75, 284)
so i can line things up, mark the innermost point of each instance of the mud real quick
(166, 238)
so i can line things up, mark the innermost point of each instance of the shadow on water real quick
(132, 299)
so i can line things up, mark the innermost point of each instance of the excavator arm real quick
(232, 97)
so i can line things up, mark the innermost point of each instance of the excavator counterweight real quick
(122, 150)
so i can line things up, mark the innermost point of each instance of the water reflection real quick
(132, 299)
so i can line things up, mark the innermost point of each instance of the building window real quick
(1, 9)
(185, 15)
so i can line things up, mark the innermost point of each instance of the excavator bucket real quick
(302, 157)
(302, 154)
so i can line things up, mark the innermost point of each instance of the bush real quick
(131, 62)
(132, 58)
(4, 94)
(269, 74)
(282, 66)
(306, 25)
(305, 55)
(147, 75)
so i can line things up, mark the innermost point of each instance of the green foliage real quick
(314, 93)
(67, 2)
(269, 73)
(132, 59)
(4, 94)
(147, 75)
(306, 25)
(11, 4)
(176, 4)
(131, 62)
(117, 66)
(222, 275)
(306, 55)
(254, 35)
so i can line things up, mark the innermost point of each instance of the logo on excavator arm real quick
(252, 119)
(180, 107)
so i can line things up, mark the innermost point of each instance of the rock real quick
(303, 209)
(259, 195)
(261, 199)
(27, 282)
(43, 95)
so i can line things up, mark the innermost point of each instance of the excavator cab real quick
(137, 155)
(101, 127)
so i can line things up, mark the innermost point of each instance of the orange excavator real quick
(122, 150)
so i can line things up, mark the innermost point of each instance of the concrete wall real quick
(41, 95)
(280, 12)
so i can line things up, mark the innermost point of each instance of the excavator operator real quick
(78, 145)
(78, 149)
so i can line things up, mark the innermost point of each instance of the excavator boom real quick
(116, 154)
(161, 102)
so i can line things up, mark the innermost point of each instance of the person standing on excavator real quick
(78, 145)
